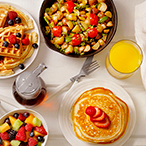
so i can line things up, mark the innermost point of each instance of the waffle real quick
(116, 109)
(26, 22)
(8, 63)
(3, 15)
(10, 51)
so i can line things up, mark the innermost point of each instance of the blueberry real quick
(18, 35)
(1, 141)
(5, 44)
(17, 46)
(26, 114)
(7, 120)
(17, 20)
(35, 45)
(21, 66)
(40, 139)
(10, 22)
(16, 115)
(31, 134)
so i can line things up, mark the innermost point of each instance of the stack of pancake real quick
(11, 57)
(116, 110)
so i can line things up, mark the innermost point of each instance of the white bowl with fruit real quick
(23, 127)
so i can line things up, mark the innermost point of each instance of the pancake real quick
(116, 110)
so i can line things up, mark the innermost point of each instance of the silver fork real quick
(86, 69)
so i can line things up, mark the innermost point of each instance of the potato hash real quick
(78, 26)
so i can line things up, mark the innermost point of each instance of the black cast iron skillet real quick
(48, 3)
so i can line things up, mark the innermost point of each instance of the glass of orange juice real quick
(124, 58)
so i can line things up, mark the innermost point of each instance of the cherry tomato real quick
(76, 39)
(70, 6)
(92, 32)
(93, 19)
(57, 31)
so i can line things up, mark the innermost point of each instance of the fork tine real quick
(91, 67)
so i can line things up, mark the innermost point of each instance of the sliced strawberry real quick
(28, 127)
(4, 136)
(21, 135)
(104, 123)
(12, 39)
(98, 112)
(41, 130)
(12, 15)
(98, 118)
(21, 117)
(90, 110)
(32, 142)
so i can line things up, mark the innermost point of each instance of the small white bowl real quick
(36, 114)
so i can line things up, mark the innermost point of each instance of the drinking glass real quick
(123, 59)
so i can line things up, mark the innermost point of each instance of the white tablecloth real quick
(61, 68)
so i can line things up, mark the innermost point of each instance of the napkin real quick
(140, 35)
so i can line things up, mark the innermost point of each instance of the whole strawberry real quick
(25, 41)
(12, 39)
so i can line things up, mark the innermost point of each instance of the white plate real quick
(32, 112)
(28, 61)
(72, 96)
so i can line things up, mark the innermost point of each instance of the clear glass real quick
(123, 59)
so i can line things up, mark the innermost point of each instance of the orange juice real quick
(125, 57)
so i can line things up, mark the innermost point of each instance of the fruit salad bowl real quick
(90, 47)
(32, 125)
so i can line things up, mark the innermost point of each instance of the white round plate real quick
(28, 61)
(72, 95)
(36, 114)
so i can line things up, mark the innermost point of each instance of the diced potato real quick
(99, 1)
(101, 42)
(87, 48)
(59, 40)
(72, 17)
(76, 29)
(96, 46)
(47, 16)
(81, 49)
(99, 28)
(102, 7)
(104, 37)
(76, 12)
(63, 8)
(64, 46)
(87, 21)
(88, 10)
(59, 15)
(108, 14)
(103, 25)
(65, 29)
(92, 2)
(84, 25)
(106, 30)
(82, 37)
(69, 49)
(109, 24)
(82, 18)
(70, 24)
(55, 18)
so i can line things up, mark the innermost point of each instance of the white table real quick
(61, 68)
